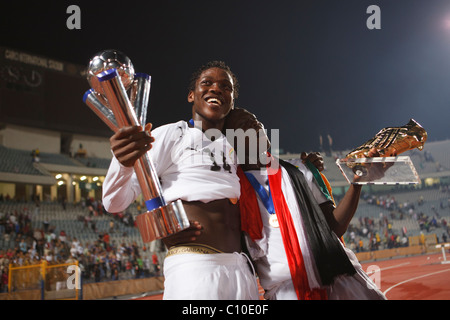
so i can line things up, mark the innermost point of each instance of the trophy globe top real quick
(106, 60)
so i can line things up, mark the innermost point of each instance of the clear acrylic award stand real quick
(379, 170)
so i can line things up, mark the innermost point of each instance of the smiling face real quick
(212, 97)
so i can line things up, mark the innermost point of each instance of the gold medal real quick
(273, 221)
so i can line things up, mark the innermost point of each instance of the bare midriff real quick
(221, 224)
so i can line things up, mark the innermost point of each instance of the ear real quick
(190, 97)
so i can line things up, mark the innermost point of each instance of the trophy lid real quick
(86, 95)
(107, 75)
(141, 75)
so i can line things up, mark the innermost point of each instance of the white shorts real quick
(221, 276)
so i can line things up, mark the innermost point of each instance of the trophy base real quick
(399, 170)
(162, 222)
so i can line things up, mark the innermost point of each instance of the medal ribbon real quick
(262, 193)
(319, 178)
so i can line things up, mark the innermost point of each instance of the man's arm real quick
(339, 217)
(120, 187)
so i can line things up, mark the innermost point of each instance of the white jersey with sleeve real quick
(190, 167)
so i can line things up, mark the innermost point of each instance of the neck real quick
(208, 123)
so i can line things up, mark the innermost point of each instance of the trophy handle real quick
(99, 105)
(140, 92)
(125, 116)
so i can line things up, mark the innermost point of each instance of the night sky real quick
(307, 68)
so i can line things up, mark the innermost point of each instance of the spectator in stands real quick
(111, 226)
(13, 218)
(64, 202)
(74, 251)
(23, 246)
(38, 234)
(404, 241)
(139, 266)
(155, 263)
(115, 274)
(129, 266)
(62, 236)
(35, 155)
(360, 246)
(93, 226)
(81, 152)
(96, 272)
(49, 256)
(106, 239)
(4, 279)
(46, 225)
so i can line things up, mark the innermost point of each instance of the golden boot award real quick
(388, 168)
(111, 74)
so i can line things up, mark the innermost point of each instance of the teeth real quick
(214, 100)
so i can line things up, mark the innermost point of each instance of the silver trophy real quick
(111, 74)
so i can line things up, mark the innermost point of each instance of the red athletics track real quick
(421, 277)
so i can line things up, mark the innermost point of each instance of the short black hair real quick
(214, 64)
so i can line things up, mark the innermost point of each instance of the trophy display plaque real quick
(111, 75)
(390, 168)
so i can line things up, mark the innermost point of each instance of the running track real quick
(412, 278)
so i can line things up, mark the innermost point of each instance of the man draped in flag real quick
(293, 226)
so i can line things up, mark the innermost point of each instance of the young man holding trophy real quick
(196, 164)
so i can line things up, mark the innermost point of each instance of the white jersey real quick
(269, 253)
(190, 166)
